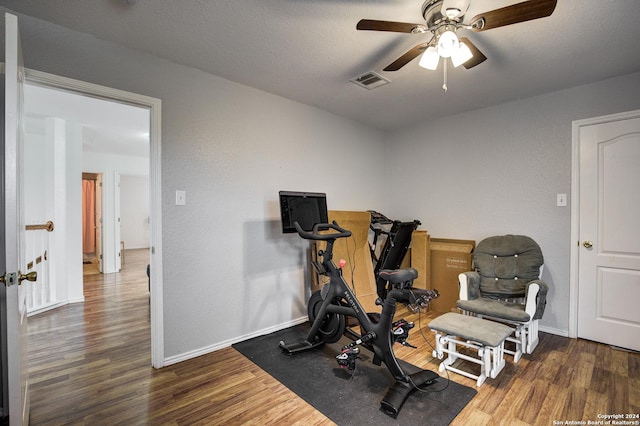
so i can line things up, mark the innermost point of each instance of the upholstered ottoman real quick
(487, 337)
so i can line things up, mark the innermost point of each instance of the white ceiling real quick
(307, 50)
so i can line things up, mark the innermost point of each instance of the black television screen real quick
(307, 208)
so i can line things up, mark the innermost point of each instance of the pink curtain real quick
(88, 216)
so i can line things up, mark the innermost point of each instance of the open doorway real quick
(112, 140)
(91, 221)
(110, 157)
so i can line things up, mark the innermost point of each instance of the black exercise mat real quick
(350, 398)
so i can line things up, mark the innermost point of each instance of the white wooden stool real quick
(486, 336)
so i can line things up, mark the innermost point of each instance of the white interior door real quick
(609, 231)
(16, 307)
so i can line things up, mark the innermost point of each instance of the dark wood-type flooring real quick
(90, 364)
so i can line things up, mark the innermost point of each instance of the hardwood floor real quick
(90, 365)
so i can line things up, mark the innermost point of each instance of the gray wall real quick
(497, 171)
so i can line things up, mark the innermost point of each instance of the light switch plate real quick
(181, 197)
(561, 200)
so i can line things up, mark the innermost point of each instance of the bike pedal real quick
(347, 359)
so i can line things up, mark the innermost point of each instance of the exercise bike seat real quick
(395, 276)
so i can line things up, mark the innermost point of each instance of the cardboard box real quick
(358, 272)
(448, 259)
(420, 254)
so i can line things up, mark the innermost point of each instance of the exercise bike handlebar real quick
(316, 235)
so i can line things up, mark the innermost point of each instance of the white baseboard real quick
(46, 308)
(556, 331)
(225, 344)
(54, 306)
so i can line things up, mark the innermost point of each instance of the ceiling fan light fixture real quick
(448, 43)
(461, 55)
(454, 9)
(452, 12)
(430, 58)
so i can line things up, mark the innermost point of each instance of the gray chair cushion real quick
(495, 308)
(487, 333)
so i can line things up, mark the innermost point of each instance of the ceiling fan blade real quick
(396, 27)
(477, 58)
(520, 12)
(407, 57)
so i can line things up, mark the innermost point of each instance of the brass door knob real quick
(29, 276)
(10, 278)
(587, 244)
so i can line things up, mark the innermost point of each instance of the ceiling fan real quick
(443, 19)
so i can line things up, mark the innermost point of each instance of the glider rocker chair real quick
(506, 287)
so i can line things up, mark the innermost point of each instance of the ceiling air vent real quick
(370, 80)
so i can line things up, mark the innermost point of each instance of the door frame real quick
(155, 188)
(574, 263)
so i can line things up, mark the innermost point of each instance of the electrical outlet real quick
(561, 200)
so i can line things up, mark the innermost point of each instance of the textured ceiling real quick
(307, 50)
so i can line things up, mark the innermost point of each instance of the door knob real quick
(10, 278)
(587, 244)
(29, 276)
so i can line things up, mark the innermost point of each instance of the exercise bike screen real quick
(307, 208)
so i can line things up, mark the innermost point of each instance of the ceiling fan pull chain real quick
(444, 85)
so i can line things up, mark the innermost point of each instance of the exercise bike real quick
(329, 308)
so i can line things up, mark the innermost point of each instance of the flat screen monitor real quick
(307, 208)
